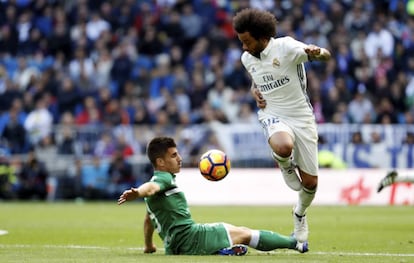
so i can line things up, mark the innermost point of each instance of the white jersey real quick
(280, 76)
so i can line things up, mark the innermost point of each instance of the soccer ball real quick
(214, 165)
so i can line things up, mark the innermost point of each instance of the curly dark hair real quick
(260, 24)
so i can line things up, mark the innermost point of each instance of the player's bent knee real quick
(240, 235)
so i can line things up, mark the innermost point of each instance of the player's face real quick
(172, 160)
(251, 45)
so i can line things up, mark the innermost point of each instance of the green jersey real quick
(168, 209)
(170, 216)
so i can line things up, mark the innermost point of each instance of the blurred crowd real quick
(108, 63)
(95, 179)
(103, 65)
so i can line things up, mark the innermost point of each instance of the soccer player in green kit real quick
(168, 213)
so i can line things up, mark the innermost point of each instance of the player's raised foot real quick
(236, 250)
(300, 231)
(291, 178)
(387, 180)
(289, 175)
(302, 247)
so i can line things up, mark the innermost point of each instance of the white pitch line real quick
(356, 254)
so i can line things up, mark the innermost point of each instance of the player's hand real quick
(128, 195)
(150, 249)
(260, 102)
(313, 51)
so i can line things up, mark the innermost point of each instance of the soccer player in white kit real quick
(276, 66)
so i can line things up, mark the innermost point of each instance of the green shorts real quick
(199, 239)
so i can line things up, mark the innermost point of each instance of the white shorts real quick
(305, 142)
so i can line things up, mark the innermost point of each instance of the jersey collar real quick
(266, 51)
(158, 172)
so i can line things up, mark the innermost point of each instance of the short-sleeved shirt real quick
(280, 76)
(171, 218)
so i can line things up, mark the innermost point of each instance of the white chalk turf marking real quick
(3, 232)
(356, 254)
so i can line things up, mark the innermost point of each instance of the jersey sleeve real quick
(296, 50)
(164, 180)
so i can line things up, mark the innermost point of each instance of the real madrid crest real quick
(276, 62)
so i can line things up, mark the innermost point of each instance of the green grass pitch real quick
(106, 232)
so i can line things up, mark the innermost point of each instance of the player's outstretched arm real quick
(317, 53)
(148, 234)
(146, 189)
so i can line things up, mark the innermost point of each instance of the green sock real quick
(269, 240)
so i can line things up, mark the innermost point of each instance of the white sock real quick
(306, 197)
(254, 240)
(403, 179)
(284, 162)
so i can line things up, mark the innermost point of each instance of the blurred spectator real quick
(192, 24)
(385, 112)
(34, 44)
(60, 42)
(8, 41)
(94, 179)
(182, 99)
(15, 133)
(33, 178)
(81, 69)
(67, 143)
(102, 71)
(162, 77)
(340, 116)
(23, 26)
(357, 46)
(150, 43)
(114, 114)
(141, 114)
(123, 146)
(224, 98)
(9, 97)
(95, 26)
(68, 97)
(25, 73)
(8, 180)
(171, 25)
(198, 93)
(46, 148)
(69, 184)
(39, 122)
(379, 39)
(360, 108)
(120, 174)
(89, 113)
(246, 114)
(357, 19)
(105, 146)
(357, 138)
(121, 69)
